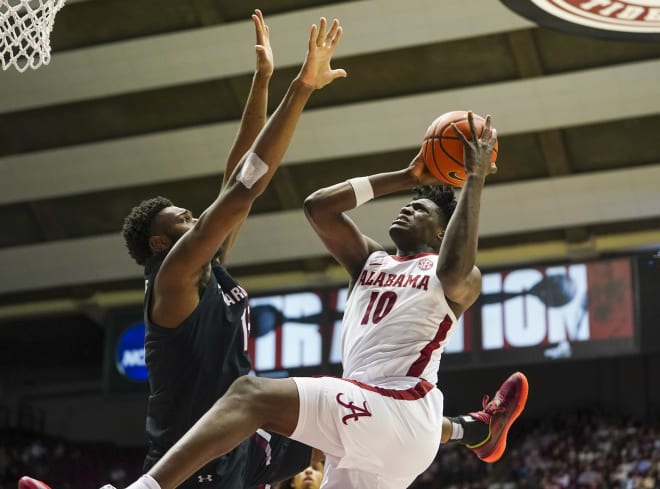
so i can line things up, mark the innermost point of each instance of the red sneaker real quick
(26, 482)
(499, 414)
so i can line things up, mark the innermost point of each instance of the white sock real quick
(456, 431)
(145, 482)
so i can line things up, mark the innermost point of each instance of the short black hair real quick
(442, 195)
(137, 227)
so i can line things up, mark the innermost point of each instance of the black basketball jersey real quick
(193, 365)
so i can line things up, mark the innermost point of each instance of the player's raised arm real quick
(184, 265)
(254, 113)
(326, 211)
(461, 279)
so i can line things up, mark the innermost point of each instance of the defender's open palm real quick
(265, 63)
(316, 71)
(477, 150)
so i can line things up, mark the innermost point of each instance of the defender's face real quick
(173, 222)
(418, 223)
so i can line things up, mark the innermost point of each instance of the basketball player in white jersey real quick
(380, 424)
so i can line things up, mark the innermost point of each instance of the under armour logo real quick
(356, 411)
(205, 478)
(262, 438)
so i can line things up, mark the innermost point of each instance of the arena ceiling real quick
(142, 98)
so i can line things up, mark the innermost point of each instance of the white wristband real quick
(362, 189)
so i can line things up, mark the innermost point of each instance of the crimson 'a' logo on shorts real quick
(356, 411)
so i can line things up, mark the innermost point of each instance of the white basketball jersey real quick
(397, 320)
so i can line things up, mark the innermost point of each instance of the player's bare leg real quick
(249, 404)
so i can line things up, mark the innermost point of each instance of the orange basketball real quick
(442, 150)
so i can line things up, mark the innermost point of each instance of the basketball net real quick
(25, 27)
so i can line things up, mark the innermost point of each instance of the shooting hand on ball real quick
(477, 150)
(420, 173)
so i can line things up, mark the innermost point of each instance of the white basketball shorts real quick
(373, 437)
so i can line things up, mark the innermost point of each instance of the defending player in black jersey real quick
(197, 316)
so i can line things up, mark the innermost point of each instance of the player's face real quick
(310, 478)
(173, 222)
(417, 225)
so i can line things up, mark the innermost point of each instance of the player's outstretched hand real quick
(265, 63)
(477, 150)
(316, 71)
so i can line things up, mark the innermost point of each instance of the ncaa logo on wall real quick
(633, 20)
(129, 356)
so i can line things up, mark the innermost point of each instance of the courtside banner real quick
(578, 310)
(623, 20)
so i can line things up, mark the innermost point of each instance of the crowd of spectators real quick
(64, 464)
(567, 451)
